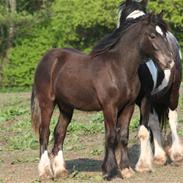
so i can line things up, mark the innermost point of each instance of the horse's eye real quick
(152, 35)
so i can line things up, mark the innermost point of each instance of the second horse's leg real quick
(176, 150)
(154, 124)
(146, 156)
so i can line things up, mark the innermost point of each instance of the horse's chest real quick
(130, 89)
(159, 79)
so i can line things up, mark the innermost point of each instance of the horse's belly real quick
(77, 96)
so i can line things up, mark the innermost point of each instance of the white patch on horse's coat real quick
(44, 164)
(153, 70)
(137, 1)
(153, 123)
(146, 157)
(180, 53)
(119, 16)
(164, 83)
(177, 147)
(58, 163)
(135, 14)
(159, 30)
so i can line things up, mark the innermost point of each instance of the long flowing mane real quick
(111, 40)
(107, 43)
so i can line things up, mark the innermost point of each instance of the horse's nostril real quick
(171, 63)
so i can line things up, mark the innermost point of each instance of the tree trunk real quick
(11, 10)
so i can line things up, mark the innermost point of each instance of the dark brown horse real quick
(158, 97)
(106, 79)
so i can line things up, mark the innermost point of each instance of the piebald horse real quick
(158, 97)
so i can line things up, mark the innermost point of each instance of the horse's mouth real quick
(169, 65)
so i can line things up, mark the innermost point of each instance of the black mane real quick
(109, 41)
(138, 6)
(134, 6)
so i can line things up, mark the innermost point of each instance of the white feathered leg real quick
(144, 163)
(176, 150)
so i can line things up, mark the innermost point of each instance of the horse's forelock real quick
(156, 20)
(161, 23)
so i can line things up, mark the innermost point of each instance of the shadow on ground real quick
(93, 165)
(84, 165)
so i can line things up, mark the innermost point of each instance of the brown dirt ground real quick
(84, 166)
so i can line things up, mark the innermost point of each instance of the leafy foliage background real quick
(43, 24)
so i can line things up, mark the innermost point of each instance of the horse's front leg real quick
(109, 166)
(146, 156)
(124, 118)
(58, 162)
(176, 150)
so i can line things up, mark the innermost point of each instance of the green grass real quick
(14, 89)
(17, 134)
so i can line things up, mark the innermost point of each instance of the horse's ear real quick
(160, 15)
(127, 2)
(151, 17)
(144, 3)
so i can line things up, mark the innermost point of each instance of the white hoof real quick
(176, 153)
(144, 163)
(127, 173)
(143, 166)
(160, 159)
(58, 165)
(44, 167)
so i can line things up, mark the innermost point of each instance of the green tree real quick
(44, 24)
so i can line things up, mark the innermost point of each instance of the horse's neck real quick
(130, 54)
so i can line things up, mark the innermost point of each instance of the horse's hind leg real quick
(58, 163)
(176, 150)
(44, 166)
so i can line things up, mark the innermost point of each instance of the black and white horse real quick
(158, 97)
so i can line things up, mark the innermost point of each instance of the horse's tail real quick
(35, 111)
(162, 112)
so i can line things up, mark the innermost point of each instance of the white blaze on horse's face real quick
(135, 14)
(159, 30)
